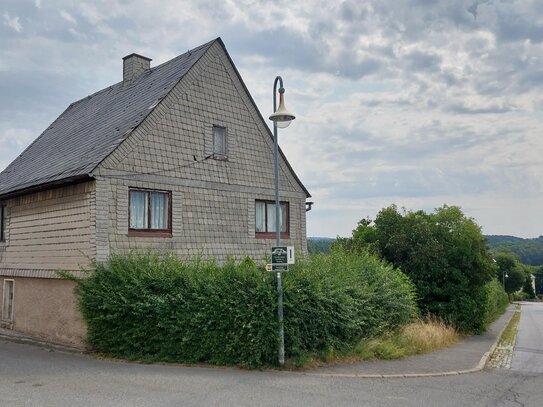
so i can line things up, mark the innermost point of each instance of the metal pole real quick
(503, 278)
(278, 224)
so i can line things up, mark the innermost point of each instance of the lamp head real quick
(282, 117)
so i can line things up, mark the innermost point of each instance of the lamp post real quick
(281, 118)
(504, 276)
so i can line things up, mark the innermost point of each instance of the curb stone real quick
(480, 366)
(28, 340)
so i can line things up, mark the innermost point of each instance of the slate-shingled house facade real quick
(175, 157)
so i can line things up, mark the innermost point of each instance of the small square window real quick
(219, 141)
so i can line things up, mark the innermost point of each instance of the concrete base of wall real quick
(46, 308)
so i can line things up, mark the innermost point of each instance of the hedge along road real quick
(31, 376)
(528, 352)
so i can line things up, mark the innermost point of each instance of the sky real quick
(416, 103)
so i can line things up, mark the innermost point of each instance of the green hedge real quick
(157, 308)
(496, 301)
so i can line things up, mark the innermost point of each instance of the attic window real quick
(219, 142)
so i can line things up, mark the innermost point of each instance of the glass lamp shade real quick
(282, 117)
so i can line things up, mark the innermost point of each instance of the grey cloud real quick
(514, 27)
(462, 108)
(422, 61)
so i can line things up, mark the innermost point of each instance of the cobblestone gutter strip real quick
(503, 352)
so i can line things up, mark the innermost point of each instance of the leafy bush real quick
(155, 307)
(496, 301)
(443, 253)
(334, 299)
(520, 296)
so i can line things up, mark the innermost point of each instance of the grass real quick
(510, 333)
(421, 336)
(413, 339)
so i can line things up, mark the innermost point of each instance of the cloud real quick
(67, 16)
(419, 102)
(12, 22)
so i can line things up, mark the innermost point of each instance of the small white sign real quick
(290, 254)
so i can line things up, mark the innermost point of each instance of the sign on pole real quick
(279, 258)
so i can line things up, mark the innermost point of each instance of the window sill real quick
(268, 235)
(149, 233)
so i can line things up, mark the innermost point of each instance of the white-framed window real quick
(3, 223)
(265, 218)
(7, 300)
(219, 142)
(150, 211)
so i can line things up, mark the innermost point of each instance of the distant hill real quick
(529, 251)
(319, 244)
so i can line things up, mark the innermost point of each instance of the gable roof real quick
(92, 128)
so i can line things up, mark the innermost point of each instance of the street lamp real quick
(281, 118)
(504, 276)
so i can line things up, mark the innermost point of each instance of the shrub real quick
(496, 301)
(442, 252)
(334, 299)
(155, 307)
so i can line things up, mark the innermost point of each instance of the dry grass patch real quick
(421, 336)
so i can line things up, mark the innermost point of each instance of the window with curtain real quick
(265, 218)
(219, 141)
(150, 210)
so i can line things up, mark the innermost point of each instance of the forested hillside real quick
(319, 244)
(529, 251)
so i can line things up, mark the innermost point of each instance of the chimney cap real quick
(136, 55)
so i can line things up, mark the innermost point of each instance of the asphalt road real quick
(30, 376)
(528, 353)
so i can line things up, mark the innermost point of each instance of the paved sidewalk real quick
(470, 354)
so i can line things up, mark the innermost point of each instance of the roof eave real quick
(76, 179)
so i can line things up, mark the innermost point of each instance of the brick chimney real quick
(134, 65)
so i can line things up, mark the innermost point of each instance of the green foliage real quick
(515, 274)
(528, 289)
(443, 253)
(510, 270)
(333, 299)
(157, 308)
(496, 301)
(319, 244)
(538, 273)
(529, 251)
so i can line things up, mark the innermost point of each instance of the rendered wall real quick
(46, 308)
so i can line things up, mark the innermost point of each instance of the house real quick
(175, 157)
